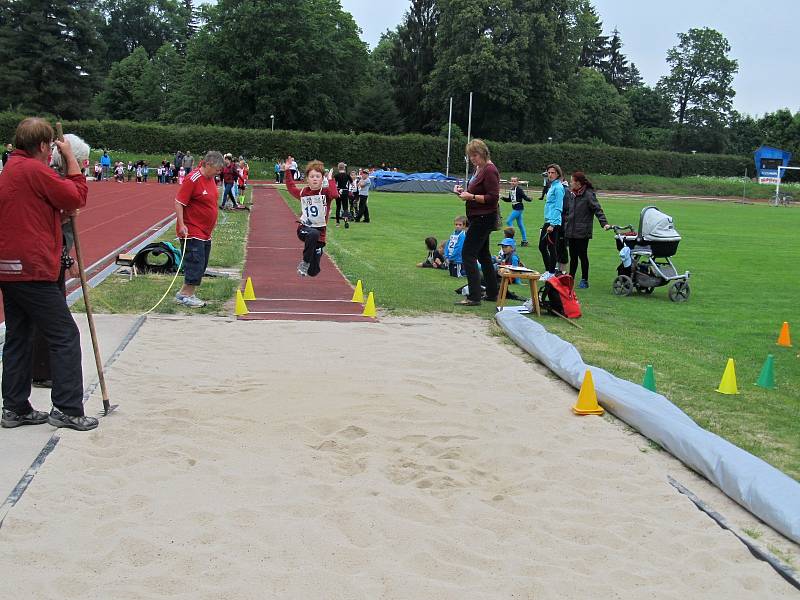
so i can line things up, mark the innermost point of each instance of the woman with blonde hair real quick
(480, 197)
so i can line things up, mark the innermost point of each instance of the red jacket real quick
(32, 197)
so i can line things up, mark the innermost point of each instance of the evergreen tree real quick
(589, 34)
(634, 78)
(512, 54)
(49, 56)
(412, 59)
(616, 70)
(375, 111)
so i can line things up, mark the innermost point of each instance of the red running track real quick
(116, 218)
(273, 252)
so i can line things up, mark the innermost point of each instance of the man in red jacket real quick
(33, 202)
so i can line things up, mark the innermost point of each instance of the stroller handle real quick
(618, 228)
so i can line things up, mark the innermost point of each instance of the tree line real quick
(540, 70)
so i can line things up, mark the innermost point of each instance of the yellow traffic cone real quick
(241, 307)
(249, 293)
(784, 339)
(369, 308)
(728, 383)
(587, 398)
(358, 294)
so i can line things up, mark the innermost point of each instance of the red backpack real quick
(558, 295)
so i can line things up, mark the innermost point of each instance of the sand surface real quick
(413, 458)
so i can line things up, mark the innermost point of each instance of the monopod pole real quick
(107, 408)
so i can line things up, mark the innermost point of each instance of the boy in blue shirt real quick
(452, 251)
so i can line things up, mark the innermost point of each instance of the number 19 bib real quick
(313, 209)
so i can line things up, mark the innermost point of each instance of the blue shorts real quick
(195, 260)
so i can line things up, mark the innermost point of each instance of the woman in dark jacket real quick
(481, 198)
(581, 206)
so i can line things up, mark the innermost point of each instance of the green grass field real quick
(745, 282)
(118, 294)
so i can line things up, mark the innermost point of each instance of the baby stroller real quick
(646, 257)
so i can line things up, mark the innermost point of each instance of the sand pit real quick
(327, 460)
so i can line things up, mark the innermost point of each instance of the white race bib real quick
(313, 210)
(513, 195)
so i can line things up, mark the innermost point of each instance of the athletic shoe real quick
(302, 268)
(42, 383)
(583, 284)
(528, 304)
(12, 419)
(193, 302)
(524, 243)
(59, 419)
(179, 298)
(545, 276)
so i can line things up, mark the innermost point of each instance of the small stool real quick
(507, 275)
(127, 260)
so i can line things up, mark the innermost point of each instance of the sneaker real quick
(12, 419)
(528, 304)
(193, 302)
(525, 243)
(42, 383)
(59, 419)
(302, 268)
(545, 276)
(179, 298)
(583, 284)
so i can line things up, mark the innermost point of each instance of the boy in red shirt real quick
(196, 212)
(315, 206)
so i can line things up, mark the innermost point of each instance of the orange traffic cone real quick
(784, 339)
(587, 398)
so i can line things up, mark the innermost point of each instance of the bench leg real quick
(535, 297)
(501, 297)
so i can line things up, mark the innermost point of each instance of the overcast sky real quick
(763, 38)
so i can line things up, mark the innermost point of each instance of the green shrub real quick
(409, 152)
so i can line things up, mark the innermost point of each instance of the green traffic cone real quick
(767, 378)
(649, 381)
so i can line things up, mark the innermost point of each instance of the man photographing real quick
(33, 201)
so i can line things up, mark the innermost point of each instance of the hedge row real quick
(408, 152)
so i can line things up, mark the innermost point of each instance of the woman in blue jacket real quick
(551, 230)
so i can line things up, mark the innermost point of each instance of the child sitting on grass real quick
(435, 259)
(315, 207)
(455, 244)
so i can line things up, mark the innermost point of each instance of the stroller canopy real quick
(656, 226)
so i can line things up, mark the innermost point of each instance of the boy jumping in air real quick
(315, 207)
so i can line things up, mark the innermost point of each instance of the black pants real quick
(312, 250)
(476, 250)
(40, 303)
(579, 249)
(363, 209)
(548, 246)
(342, 203)
(40, 364)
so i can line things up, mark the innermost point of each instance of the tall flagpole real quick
(449, 128)
(469, 139)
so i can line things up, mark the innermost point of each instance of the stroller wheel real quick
(679, 291)
(622, 286)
